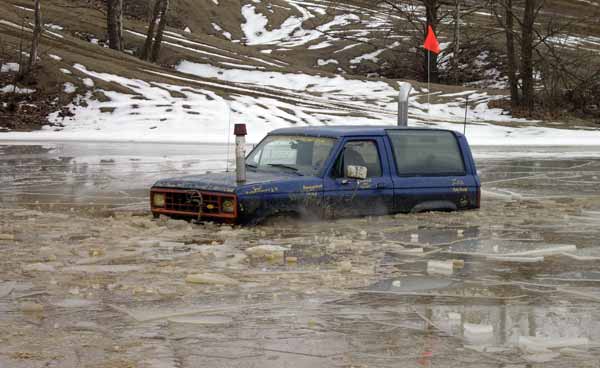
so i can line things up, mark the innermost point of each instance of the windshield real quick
(297, 154)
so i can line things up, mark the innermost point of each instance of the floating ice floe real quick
(210, 279)
(440, 267)
(544, 344)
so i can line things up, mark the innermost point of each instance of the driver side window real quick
(358, 153)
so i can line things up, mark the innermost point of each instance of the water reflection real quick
(97, 174)
(489, 327)
(511, 332)
(112, 174)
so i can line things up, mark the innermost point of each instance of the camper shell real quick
(331, 172)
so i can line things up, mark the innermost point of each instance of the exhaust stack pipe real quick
(403, 97)
(240, 152)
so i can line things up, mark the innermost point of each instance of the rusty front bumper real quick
(195, 204)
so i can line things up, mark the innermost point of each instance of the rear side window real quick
(422, 153)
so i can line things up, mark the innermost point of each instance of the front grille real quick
(181, 202)
(187, 202)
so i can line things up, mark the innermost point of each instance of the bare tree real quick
(527, 54)
(145, 54)
(511, 57)
(160, 31)
(568, 74)
(151, 49)
(411, 19)
(530, 39)
(456, 41)
(114, 18)
(432, 8)
(411, 11)
(37, 34)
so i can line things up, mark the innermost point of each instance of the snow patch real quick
(373, 56)
(255, 29)
(9, 67)
(10, 88)
(53, 27)
(218, 28)
(291, 33)
(161, 112)
(295, 82)
(322, 62)
(69, 88)
(23, 8)
(88, 82)
(14, 25)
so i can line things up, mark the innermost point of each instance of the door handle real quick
(381, 186)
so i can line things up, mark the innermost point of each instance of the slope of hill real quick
(269, 64)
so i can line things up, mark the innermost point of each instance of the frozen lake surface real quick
(119, 174)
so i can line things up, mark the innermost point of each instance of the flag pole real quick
(428, 82)
(431, 45)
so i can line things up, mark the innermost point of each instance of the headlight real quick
(228, 206)
(158, 200)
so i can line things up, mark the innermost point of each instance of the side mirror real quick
(356, 172)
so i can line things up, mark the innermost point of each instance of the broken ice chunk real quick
(543, 344)
(202, 320)
(269, 252)
(30, 307)
(516, 259)
(345, 266)
(7, 237)
(479, 333)
(440, 267)
(39, 267)
(210, 278)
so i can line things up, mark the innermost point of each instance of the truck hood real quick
(223, 182)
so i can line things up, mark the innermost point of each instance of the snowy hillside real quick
(286, 63)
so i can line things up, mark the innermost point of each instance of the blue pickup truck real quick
(332, 172)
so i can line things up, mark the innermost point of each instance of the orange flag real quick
(431, 42)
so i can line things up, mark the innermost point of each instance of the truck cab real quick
(332, 172)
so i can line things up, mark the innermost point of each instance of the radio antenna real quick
(228, 134)
(466, 112)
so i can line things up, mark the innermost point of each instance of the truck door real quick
(430, 171)
(345, 196)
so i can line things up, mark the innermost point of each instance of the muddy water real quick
(87, 279)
